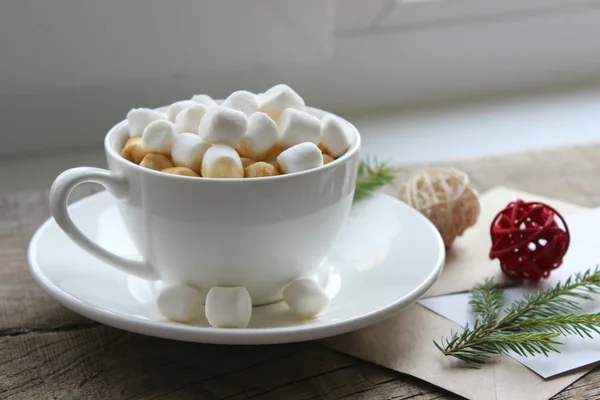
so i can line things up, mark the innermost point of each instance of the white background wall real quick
(70, 69)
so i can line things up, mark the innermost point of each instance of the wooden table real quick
(48, 352)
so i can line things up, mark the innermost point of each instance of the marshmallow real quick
(301, 157)
(158, 137)
(223, 125)
(139, 118)
(189, 118)
(181, 171)
(188, 150)
(327, 159)
(277, 99)
(243, 101)
(156, 161)
(275, 165)
(260, 137)
(222, 161)
(180, 303)
(296, 127)
(305, 298)
(260, 169)
(133, 150)
(228, 307)
(204, 99)
(335, 141)
(177, 107)
(246, 162)
(271, 157)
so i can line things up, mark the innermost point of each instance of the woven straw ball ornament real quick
(445, 197)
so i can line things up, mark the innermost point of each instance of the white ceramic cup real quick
(260, 233)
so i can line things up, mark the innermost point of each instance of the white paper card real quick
(583, 254)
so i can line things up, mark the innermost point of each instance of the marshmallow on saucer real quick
(277, 99)
(158, 137)
(297, 127)
(183, 171)
(335, 141)
(189, 118)
(222, 161)
(139, 118)
(204, 99)
(180, 303)
(177, 107)
(260, 137)
(228, 307)
(223, 125)
(188, 150)
(300, 157)
(156, 161)
(305, 298)
(133, 150)
(260, 169)
(243, 101)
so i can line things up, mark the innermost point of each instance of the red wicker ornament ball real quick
(528, 241)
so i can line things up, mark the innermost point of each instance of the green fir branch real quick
(371, 176)
(583, 325)
(487, 301)
(528, 327)
(562, 299)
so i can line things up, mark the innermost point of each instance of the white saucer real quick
(387, 256)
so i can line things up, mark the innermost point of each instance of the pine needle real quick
(371, 176)
(487, 301)
(530, 326)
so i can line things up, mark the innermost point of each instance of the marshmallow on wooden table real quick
(297, 127)
(204, 99)
(188, 120)
(180, 303)
(305, 298)
(156, 161)
(177, 107)
(188, 150)
(133, 150)
(300, 157)
(335, 140)
(222, 161)
(183, 171)
(228, 307)
(223, 125)
(277, 99)
(158, 137)
(260, 169)
(139, 118)
(243, 101)
(260, 137)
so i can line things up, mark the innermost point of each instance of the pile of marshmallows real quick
(248, 135)
(231, 307)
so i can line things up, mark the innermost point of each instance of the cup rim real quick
(314, 111)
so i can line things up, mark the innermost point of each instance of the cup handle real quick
(118, 187)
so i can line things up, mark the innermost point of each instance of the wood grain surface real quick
(49, 352)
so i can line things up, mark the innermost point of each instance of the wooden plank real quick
(47, 351)
(567, 173)
(23, 304)
(105, 363)
(588, 387)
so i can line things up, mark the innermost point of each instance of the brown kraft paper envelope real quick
(405, 342)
